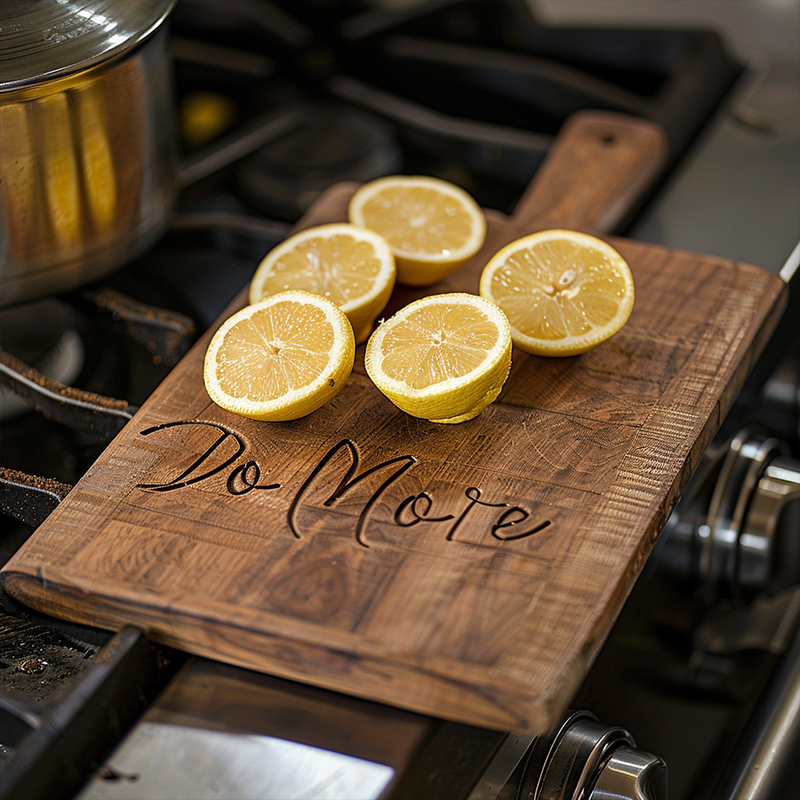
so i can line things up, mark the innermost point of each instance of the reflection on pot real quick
(99, 174)
(58, 171)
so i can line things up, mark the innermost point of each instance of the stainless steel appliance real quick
(87, 163)
(276, 102)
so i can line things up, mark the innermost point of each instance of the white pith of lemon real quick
(433, 226)
(349, 265)
(563, 291)
(281, 358)
(443, 358)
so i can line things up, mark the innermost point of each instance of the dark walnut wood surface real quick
(467, 571)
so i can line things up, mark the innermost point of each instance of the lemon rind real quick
(483, 403)
(298, 402)
(495, 314)
(382, 250)
(563, 346)
(455, 397)
(461, 255)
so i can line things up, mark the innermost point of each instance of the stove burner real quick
(330, 143)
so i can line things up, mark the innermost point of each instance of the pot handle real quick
(599, 165)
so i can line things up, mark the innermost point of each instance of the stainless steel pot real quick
(88, 156)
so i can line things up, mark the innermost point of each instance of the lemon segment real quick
(563, 291)
(350, 266)
(443, 358)
(281, 358)
(432, 226)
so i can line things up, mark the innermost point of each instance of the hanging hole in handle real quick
(608, 139)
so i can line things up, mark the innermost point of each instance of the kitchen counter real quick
(737, 194)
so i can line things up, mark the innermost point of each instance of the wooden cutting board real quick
(467, 571)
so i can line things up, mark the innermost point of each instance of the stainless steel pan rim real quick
(88, 151)
(44, 41)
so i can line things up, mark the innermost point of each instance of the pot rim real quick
(41, 42)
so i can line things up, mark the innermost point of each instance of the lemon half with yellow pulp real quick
(443, 358)
(563, 291)
(433, 226)
(350, 266)
(281, 358)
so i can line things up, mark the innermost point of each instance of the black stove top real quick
(276, 102)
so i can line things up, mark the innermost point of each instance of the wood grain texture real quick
(469, 571)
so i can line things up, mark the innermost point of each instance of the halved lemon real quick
(563, 291)
(433, 226)
(349, 265)
(443, 358)
(281, 358)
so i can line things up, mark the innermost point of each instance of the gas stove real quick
(277, 102)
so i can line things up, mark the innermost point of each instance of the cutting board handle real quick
(600, 164)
